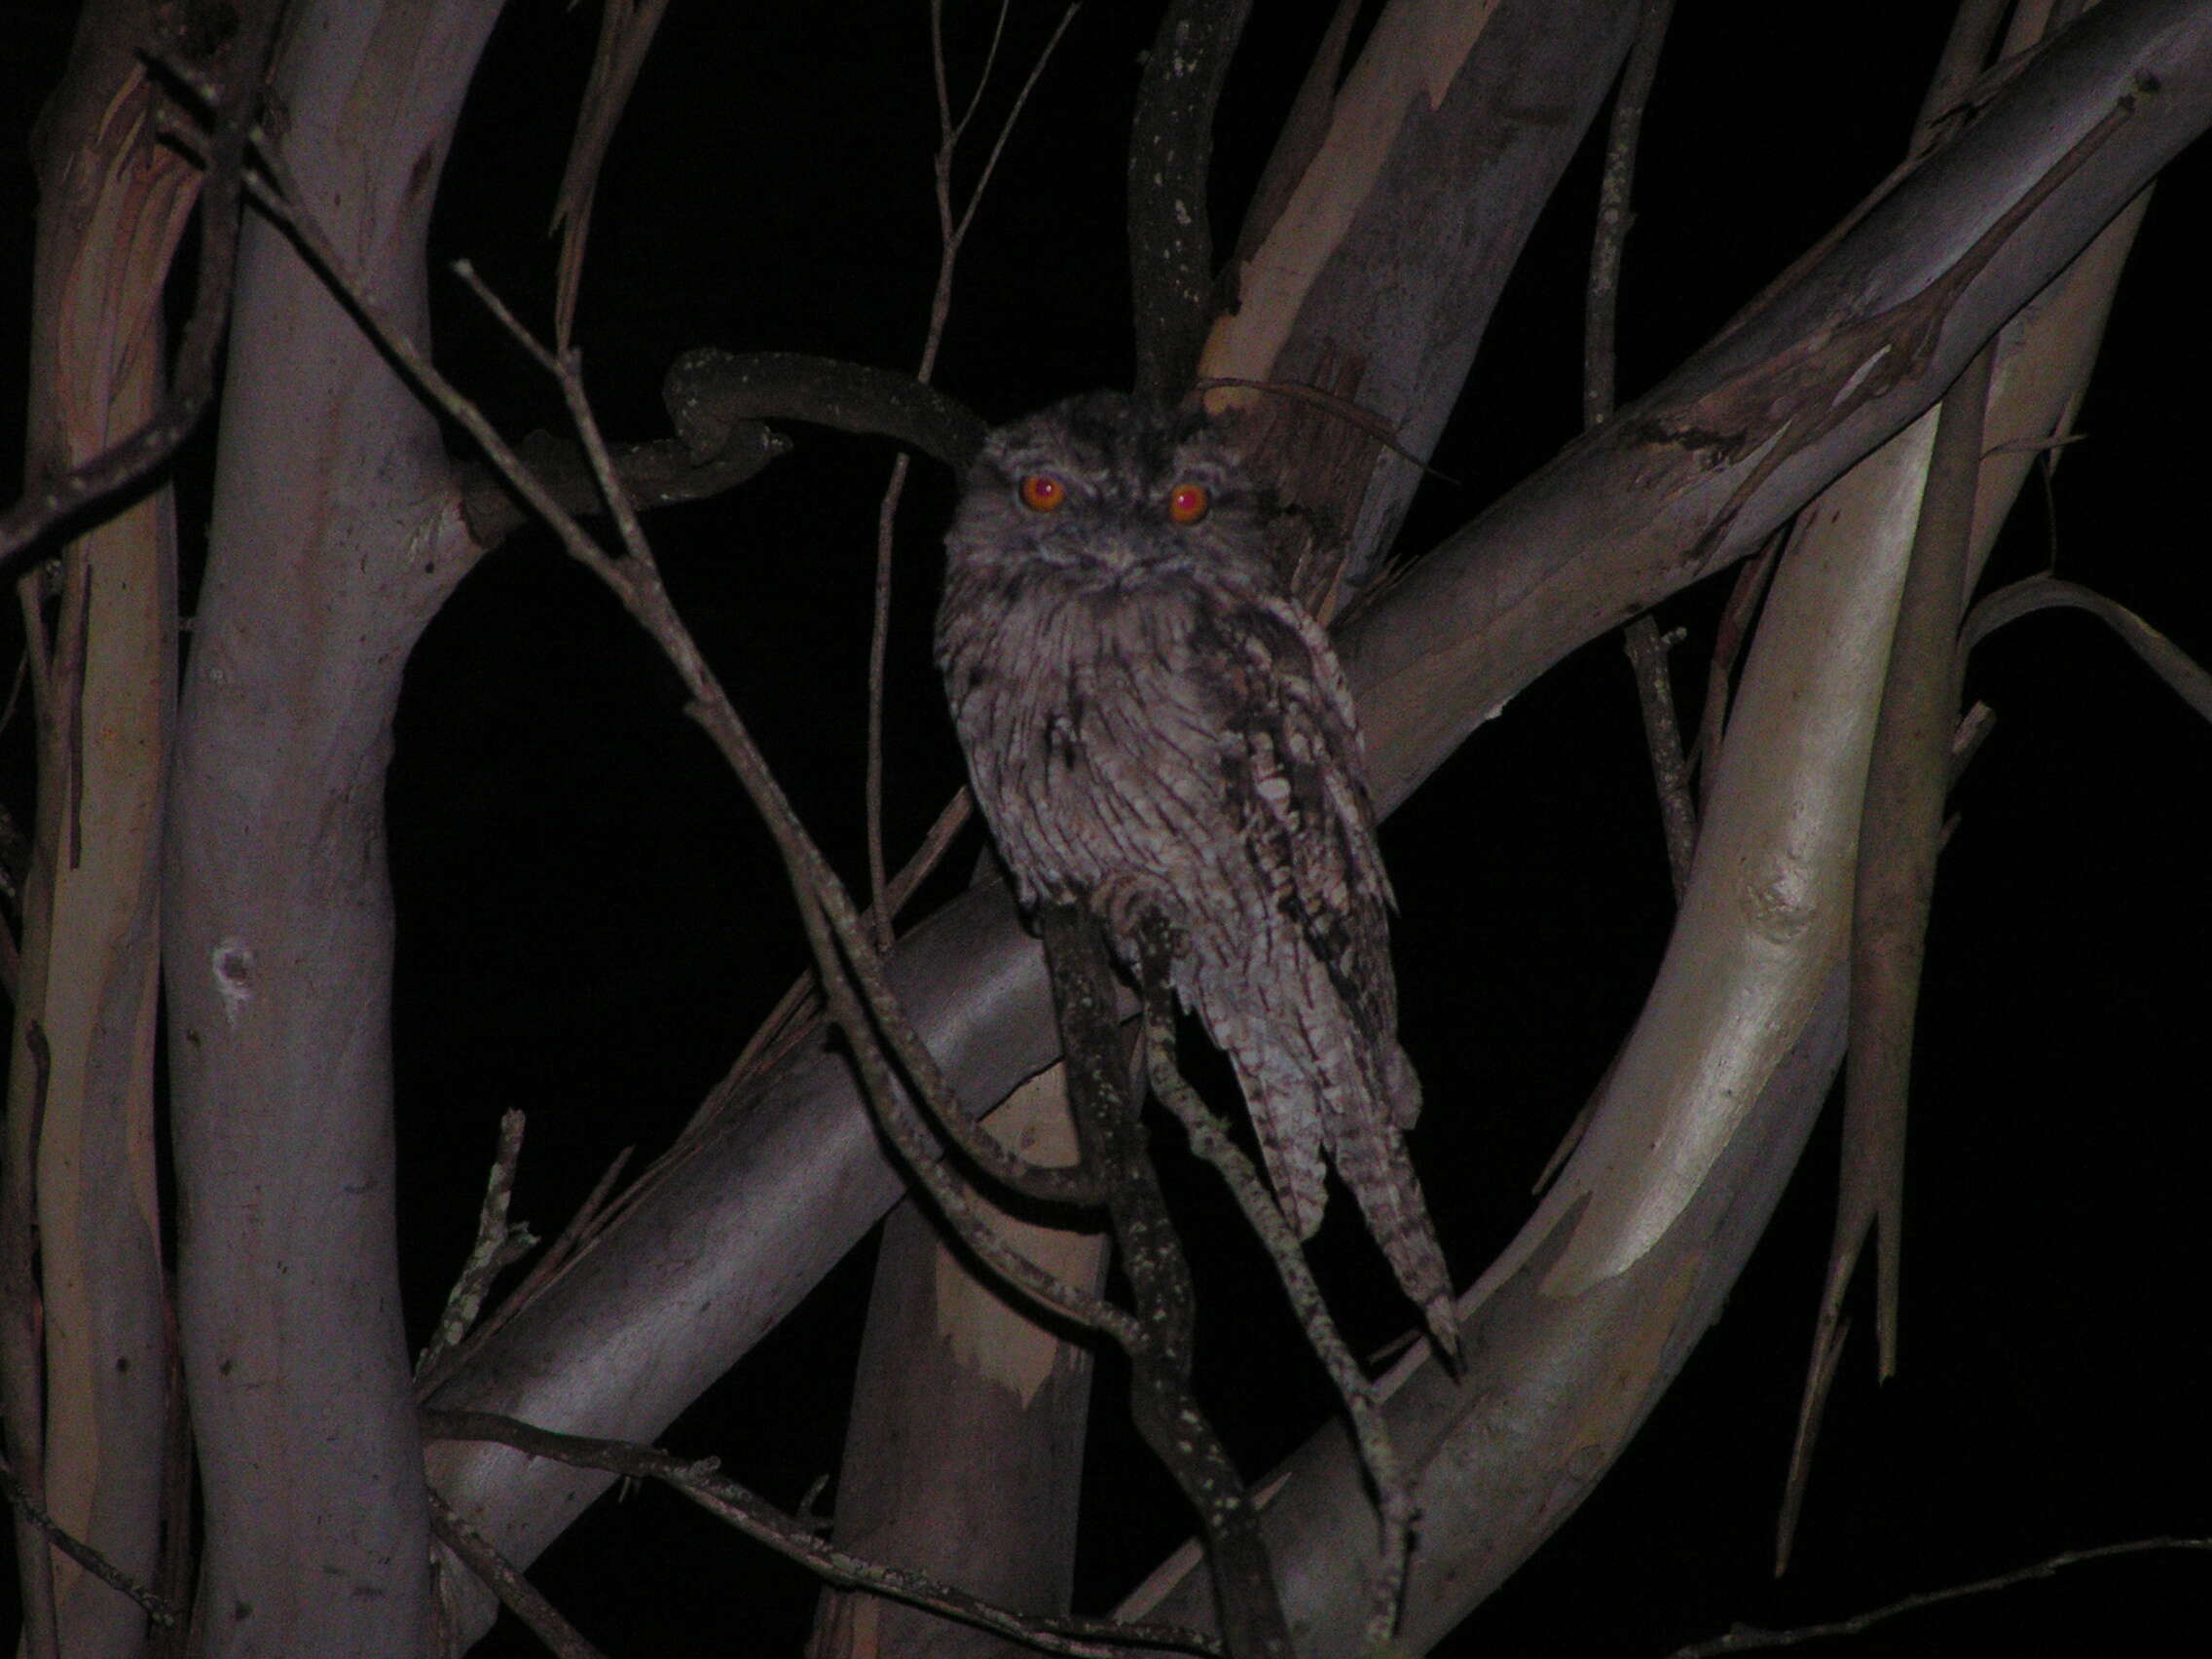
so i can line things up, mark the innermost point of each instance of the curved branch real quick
(768, 1204)
(789, 1536)
(708, 389)
(2183, 674)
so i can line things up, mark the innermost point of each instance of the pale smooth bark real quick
(113, 203)
(1823, 370)
(964, 1454)
(336, 534)
(1377, 278)
(1580, 1325)
(1430, 164)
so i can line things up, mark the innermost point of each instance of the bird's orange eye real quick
(1186, 503)
(1042, 493)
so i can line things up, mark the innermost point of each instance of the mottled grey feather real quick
(1154, 727)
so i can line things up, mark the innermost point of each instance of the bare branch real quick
(22, 1349)
(1728, 640)
(825, 906)
(635, 580)
(159, 1608)
(951, 229)
(1902, 821)
(590, 1216)
(1602, 301)
(2182, 674)
(878, 656)
(1646, 655)
(1211, 1140)
(1746, 1639)
(517, 1594)
(707, 389)
(794, 1538)
(1166, 1415)
(1663, 738)
(497, 1248)
(1170, 158)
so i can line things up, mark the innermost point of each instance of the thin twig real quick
(2181, 673)
(1602, 297)
(1745, 1639)
(1369, 1432)
(517, 1594)
(158, 1607)
(1663, 738)
(626, 32)
(832, 922)
(1646, 654)
(966, 216)
(1109, 1130)
(789, 1536)
(878, 661)
(497, 1248)
(826, 907)
(582, 1227)
(1354, 415)
(952, 229)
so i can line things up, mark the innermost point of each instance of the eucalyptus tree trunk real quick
(93, 1383)
(1445, 209)
(336, 535)
(1831, 363)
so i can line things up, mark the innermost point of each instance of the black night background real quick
(591, 919)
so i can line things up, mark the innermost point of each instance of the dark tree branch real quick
(1601, 302)
(1170, 159)
(1748, 1639)
(1599, 534)
(1646, 652)
(707, 390)
(1728, 641)
(158, 1607)
(517, 1594)
(22, 1370)
(2182, 674)
(1211, 1141)
(497, 1247)
(626, 31)
(952, 230)
(1111, 1133)
(800, 1540)
(657, 475)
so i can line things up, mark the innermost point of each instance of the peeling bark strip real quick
(729, 1242)
(1692, 475)
(1377, 277)
(1900, 831)
(964, 1405)
(113, 203)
